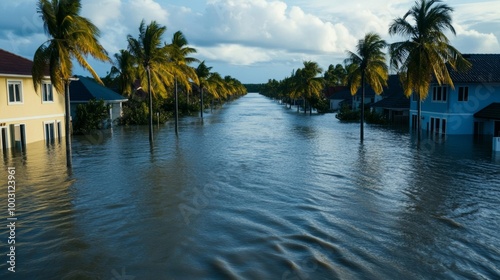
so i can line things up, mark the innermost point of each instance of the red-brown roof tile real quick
(13, 64)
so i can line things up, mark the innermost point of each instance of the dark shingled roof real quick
(86, 89)
(13, 64)
(395, 101)
(491, 111)
(394, 97)
(485, 69)
(338, 92)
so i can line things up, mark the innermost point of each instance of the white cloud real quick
(258, 34)
(235, 54)
(472, 41)
(268, 25)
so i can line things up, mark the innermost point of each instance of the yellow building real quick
(26, 115)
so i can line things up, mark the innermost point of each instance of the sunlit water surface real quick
(256, 191)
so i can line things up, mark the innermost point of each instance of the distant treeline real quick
(253, 87)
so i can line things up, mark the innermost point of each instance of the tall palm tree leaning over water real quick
(367, 66)
(152, 60)
(426, 53)
(71, 36)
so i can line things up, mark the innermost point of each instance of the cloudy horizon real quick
(252, 41)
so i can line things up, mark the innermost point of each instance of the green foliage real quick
(71, 37)
(90, 116)
(321, 104)
(335, 75)
(253, 87)
(373, 117)
(136, 112)
(346, 114)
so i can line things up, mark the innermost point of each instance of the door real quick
(4, 139)
(20, 136)
(49, 133)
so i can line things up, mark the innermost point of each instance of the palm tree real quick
(178, 52)
(335, 75)
(367, 66)
(309, 84)
(153, 61)
(71, 36)
(203, 73)
(427, 52)
(124, 71)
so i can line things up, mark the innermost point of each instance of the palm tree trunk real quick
(419, 119)
(67, 126)
(201, 103)
(148, 71)
(310, 109)
(362, 121)
(176, 109)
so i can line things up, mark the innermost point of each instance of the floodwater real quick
(256, 191)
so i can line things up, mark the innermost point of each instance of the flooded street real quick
(256, 191)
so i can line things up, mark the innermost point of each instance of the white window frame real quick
(44, 86)
(16, 82)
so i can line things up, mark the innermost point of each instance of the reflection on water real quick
(256, 191)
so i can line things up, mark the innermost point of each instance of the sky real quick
(252, 40)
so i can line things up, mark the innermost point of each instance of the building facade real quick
(26, 115)
(469, 107)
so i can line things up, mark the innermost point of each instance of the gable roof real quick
(394, 97)
(485, 69)
(13, 64)
(491, 112)
(86, 89)
(338, 93)
(395, 101)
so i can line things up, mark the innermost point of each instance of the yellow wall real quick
(33, 113)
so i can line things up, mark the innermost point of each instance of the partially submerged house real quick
(86, 89)
(471, 107)
(26, 115)
(395, 106)
(338, 96)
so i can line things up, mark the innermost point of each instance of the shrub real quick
(90, 116)
(346, 114)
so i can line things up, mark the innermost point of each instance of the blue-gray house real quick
(472, 107)
(85, 89)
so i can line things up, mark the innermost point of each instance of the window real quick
(15, 92)
(414, 97)
(47, 95)
(463, 94)
(439, 94)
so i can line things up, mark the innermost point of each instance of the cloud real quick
(270, 25)
(472, 41)
(235, 54)
(258, 34)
